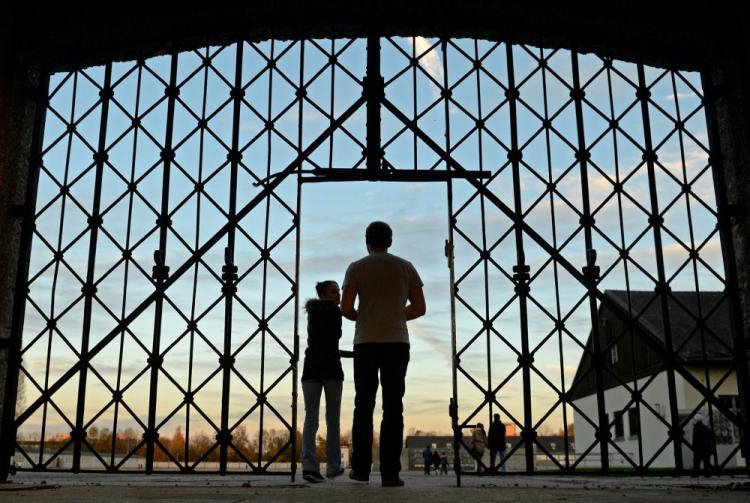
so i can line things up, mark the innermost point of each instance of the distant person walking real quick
(496, 440)
(478, 443)
(390, 294)
(703, 445)
(427, 458)
(436, 461)
(443, 463)
(322, 372)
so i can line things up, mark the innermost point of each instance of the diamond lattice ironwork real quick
(586, 237)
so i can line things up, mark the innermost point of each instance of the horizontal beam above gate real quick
(390, 175)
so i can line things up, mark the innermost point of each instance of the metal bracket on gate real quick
(160, 271)
(449, 252)
(228, 273)
(591, 270)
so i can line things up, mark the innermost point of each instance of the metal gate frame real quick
(588, 276)
(374, 100)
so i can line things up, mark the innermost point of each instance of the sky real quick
(333, 216)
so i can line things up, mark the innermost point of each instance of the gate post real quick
(728, 191)
(23, 101)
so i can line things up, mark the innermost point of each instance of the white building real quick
(633, 362)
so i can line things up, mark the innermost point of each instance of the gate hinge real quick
(449, 252)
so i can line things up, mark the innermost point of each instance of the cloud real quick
(58, 364)
(569, 370)
(680, 96)
(438, 340)
(695, 160)
(430, 58)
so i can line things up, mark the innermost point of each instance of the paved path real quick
(84, 488)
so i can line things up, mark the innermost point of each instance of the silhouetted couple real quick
(389, 293)
(495, 441)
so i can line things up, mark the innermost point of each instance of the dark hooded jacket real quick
(322, 360)
(703, 438)
(496, 436)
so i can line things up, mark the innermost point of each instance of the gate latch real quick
(449, 252)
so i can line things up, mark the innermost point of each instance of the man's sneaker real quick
(335, 474)
(397, 482)
(358, 477)
(311, 476)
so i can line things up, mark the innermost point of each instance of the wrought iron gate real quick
(213, 146)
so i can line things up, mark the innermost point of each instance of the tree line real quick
(198, 446)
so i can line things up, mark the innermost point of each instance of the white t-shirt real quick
(383, 282)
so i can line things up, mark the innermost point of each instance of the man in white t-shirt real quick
(383, 283)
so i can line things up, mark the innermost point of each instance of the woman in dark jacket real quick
(322, 373)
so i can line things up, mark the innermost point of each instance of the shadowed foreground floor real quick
(28, 487)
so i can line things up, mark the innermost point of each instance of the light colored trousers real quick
(311, 390)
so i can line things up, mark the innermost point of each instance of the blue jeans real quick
(311, 389)
(493, 454)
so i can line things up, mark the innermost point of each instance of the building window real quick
(619, 427)
(634, 423)
(730, 401)
(614, 357)
(725, 431)
(606, 420)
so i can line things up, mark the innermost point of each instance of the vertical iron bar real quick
(414, 96)
(160, 268)
(89, 288)
(126, 272)
(193, 323)
(332, 100)
(453, 408)
(694, 260)
(373, 90)
(265, 255)
(56, 277)
(298, 223)
(521, 269)
(486, 254)
(230, 274)
(8, 431)
(590, 270)
(730, 264)
(621, 222)
(555, 266)
(662, 288)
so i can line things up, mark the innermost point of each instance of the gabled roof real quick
(684, 316)
(688, 311)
